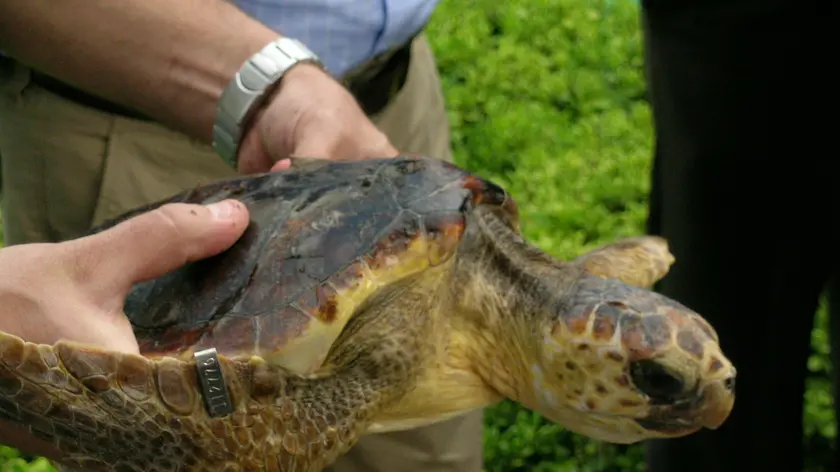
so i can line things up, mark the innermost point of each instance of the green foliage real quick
(547, 98)
(12, 461)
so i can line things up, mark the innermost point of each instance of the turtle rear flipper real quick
(640, 261)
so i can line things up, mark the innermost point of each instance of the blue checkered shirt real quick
(343, 33)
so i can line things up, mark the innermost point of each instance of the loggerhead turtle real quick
(371, 296)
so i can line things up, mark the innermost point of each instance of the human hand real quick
(75, 290)
(310, 115)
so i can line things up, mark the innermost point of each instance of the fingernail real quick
(222, 210)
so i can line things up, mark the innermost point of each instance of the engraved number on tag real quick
(212, 379)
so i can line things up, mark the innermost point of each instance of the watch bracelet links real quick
(252, 83)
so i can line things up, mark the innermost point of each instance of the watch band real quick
(248, 88)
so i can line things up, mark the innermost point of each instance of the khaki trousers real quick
(67, 167)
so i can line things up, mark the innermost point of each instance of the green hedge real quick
(547, 98)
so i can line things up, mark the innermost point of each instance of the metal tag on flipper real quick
(216, 396)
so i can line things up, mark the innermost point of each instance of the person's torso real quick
(344, 33)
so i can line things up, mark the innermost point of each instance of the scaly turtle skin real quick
(372, 296)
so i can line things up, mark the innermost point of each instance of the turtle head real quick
(586, 343)
(624, 364)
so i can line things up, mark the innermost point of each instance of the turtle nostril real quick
(729, 383)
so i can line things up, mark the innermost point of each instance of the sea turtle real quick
(364, 297)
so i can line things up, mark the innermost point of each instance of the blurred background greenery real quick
(547, 98)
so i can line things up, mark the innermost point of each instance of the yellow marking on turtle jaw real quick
(575, 415)
(307, 352)
(562, 406)
(576, 384)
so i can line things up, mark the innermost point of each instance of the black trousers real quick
(744, 187)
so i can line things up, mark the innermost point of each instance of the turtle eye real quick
(654, 380)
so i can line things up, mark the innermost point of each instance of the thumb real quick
(160, 241)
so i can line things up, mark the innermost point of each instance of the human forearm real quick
(169, 60)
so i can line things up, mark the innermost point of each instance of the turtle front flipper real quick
(111, 411)
(105, 410)
(640, 261)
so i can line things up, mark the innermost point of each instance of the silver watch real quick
(246, 91)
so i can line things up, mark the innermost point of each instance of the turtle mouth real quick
(709, 408)
(681, 417)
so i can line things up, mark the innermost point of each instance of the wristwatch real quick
(248, 88)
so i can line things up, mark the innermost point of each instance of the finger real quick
(157, 242)
(282, 164)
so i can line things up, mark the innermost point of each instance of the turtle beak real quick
(718, 399)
